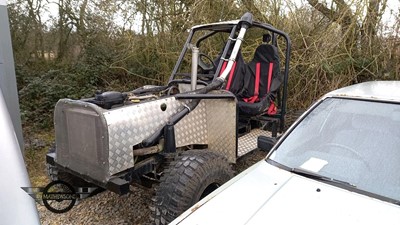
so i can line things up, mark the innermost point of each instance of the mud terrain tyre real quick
(190, 177)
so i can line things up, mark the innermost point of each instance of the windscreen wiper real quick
(317, 176)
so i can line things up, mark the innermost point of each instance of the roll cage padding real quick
(235, 80)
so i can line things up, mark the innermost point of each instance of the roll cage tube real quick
(226, 49)
(234, 53)
(205, 37)
(245, 22)
(188, 45)
(180, 59)
(232, 26)
(215, 84)
(287, 61)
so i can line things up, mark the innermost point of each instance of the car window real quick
(350, 140)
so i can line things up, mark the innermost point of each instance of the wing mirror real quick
(266, 143)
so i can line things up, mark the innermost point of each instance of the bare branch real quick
(132, 73)
(329, 13)
(249, 4)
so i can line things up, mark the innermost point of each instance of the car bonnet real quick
(266, 194)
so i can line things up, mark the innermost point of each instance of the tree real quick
(341, 13)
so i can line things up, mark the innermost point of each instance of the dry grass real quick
(35, 156)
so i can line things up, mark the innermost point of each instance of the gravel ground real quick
(105, 208)
(109, 208)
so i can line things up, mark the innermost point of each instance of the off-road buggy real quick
(185, 135)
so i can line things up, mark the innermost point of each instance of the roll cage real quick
(233, 27)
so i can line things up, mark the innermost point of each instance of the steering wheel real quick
(347, 149)
(205, 62)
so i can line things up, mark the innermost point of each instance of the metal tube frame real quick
(195, 63)
(283, 101)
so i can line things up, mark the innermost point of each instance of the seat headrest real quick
(266, 53)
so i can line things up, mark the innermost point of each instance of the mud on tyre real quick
(190, 177)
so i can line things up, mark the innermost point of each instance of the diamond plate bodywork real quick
(98, 143)
(81, 138)
(221, 127)
(192, 129)
(248, 142)
(130, 125)
(213, 122)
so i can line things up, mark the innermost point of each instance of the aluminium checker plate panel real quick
(248, 142)
(221, 127)
(130, 125)
(213, 122)
(192, 129)
(98, 143)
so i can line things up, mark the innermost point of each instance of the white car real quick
(338, 164)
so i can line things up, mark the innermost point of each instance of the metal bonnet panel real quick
(17, 206)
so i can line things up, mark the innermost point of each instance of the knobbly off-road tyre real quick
(190, 177)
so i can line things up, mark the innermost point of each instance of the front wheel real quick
(191, 176)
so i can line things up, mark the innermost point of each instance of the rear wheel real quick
(191, 176)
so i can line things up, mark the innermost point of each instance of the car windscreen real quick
(355, 141)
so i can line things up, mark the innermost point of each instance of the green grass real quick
(35, 157)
